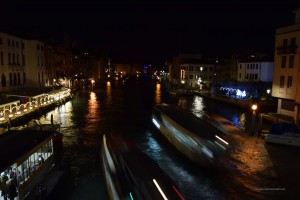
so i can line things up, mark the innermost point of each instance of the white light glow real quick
(160, 190)
(155, 123)
(222, 140)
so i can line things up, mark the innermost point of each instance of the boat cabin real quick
(26, 157)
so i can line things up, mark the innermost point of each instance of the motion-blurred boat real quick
(194, 137)
(283, 133)
(131, 174)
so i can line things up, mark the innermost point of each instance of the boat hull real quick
(198, 149)
(281, 139)
(131, 174)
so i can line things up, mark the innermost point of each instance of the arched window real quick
(15, 79)
(19, 79)
(3, 81)
(10, 79)
(39, 79)
(24, 78)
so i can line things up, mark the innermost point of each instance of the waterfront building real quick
(122, 69)
(12, 63)
(286, 79)
(35, 63)
(192, 71)
(227, 69)
(255, 69)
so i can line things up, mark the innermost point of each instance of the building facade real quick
(197, 75)
(192, 71)
(286, 79)
(12, 63)
(255, 71)
(35, 69)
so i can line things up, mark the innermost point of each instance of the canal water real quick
(126, 107)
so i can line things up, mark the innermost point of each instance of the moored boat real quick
(31, 162)
(194, 137)
(283, 133)
(131, 174)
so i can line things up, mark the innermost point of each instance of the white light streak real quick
(155, 123)
(109, 158)
(160, 190)
(221, 140)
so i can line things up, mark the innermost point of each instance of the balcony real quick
(292, 49)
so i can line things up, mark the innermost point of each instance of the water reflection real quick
(158, 94)
(182, 102)
(198, 106)
(60, 115)
(108, 94)
(92, 117)
(93, 106)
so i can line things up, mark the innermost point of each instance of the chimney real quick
(297, 16)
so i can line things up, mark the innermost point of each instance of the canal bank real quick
(263, 105)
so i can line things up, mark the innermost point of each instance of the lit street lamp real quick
(254, 108)
(93, 81)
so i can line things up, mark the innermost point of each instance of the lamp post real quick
(254, 108)
(93, 84)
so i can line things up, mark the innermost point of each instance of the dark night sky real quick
(152, 31)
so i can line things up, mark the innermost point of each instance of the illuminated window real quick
(281, 83)
(291, 61)
(283, 61)
(289, 81)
